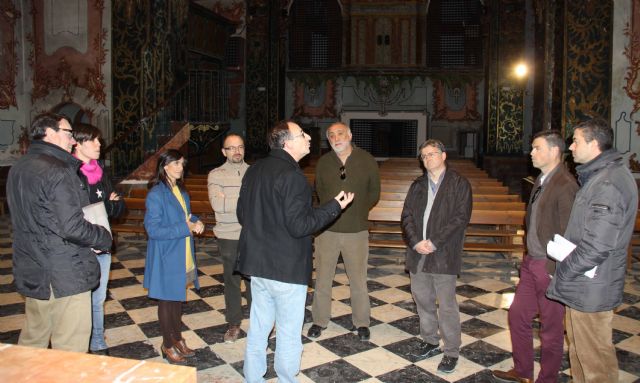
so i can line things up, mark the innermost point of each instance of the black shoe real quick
(447, 364)
(314, 331)
(363, 333)
(427, 350)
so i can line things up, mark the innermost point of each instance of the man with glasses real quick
(435, 215)
(348, 168)
(54, 266)
(224, 188)
(547, 214)
(278, 220)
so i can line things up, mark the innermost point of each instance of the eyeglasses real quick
(297, 135)
(68, 132)
(238, 148)
(429, 155)
(343, 173)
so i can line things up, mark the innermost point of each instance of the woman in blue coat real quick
(171, 264)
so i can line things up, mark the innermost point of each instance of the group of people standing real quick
(60, 260)
(265, 224)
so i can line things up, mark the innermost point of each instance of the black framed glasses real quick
(68, 132)
(238, 148)
(343, 173)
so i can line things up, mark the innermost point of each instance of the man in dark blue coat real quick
(278, 219)
(54, 266)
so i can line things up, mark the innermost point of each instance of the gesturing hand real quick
(344, 199)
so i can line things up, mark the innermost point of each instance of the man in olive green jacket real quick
(351, 169)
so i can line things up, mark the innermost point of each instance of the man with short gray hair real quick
(349, 168)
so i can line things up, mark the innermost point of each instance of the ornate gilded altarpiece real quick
(505, 118)
(587, 51)
(146, 44)
(8, 55)
(266, 32)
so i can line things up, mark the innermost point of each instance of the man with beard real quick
(351, 169)
(224, 188)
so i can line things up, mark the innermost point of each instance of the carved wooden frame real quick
(60, 69)
(326, 110)
(8, 16)
(442, 111)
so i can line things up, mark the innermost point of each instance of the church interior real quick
(482, 76)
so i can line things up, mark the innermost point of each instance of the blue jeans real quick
(282, 303)
(97, 305)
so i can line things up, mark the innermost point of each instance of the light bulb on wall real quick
(521, 70)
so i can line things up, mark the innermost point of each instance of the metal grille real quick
(453, 34)
(204, 100)
(234, 52)
(386, 138)
(315, 34)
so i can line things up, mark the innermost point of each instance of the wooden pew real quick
(504, 225)
(132, 220)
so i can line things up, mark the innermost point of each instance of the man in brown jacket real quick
(547, 214)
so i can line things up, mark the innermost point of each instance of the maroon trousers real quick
(529, 301)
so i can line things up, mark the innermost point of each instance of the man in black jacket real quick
(435, 215)
(54, 266)
(277, 217)
(600, 225)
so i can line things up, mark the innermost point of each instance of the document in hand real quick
(560, 247)
(97, 215)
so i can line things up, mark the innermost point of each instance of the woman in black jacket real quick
(99, 187)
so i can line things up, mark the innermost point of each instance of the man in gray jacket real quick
(54, 266)
(600, 225)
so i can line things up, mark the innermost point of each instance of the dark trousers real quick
(232, 291)
(529, 301)
(170, 318)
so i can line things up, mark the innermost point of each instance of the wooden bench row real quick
(132, 220)
(391, 188)
(387, 199)
(505, 227)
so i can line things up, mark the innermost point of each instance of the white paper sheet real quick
(560, 247)
(97, 215)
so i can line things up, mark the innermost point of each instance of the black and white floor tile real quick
(485, 290)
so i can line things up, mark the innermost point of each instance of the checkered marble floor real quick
(485, 290)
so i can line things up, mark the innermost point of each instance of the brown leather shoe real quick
(510, 376)
(172, 355)
(183, 349)
(232, 334)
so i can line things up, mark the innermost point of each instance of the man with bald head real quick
(349, 168)
(224, 188)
